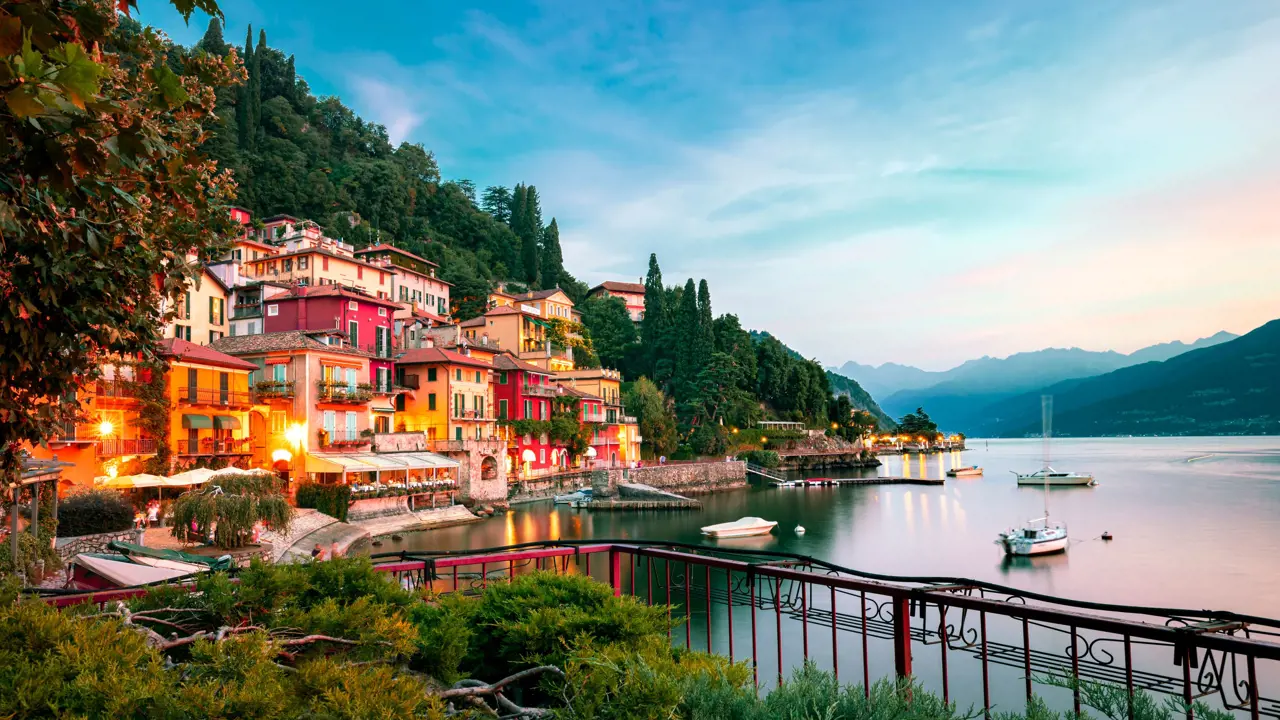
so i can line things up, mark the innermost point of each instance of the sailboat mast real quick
(1046, 423)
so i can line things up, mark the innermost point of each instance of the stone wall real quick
(683, 478)
(549, 486)
(69, 547)
(377, 507)
(473, 486)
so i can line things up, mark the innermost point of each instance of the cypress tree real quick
(245, 122)
(552, 260)
(255, 85)
(706, 336)
(212, 41)
(530, 231)
(653, 327)
(687, 341)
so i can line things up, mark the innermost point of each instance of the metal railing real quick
(970, 641)
(188, 395)
(114, 447)
(115, 389)
(209, 446)
(408, 381)
(470, 415)
(273, 389)
(335, 392)
(538, 390)
(240, 312)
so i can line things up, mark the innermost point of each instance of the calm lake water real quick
(1196, 521)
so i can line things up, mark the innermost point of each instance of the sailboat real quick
(1039, 536)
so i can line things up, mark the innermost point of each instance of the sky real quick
(921, 182)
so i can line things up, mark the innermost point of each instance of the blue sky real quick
(920, 182)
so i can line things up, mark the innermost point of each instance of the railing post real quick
(902, 636)
(615, 571)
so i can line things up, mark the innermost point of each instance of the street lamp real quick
(106, 428)
(296, 434)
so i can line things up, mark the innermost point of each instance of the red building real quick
(522, 391)
(367, 322)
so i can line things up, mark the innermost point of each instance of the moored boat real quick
(570, 498)
(743, 527)
(971, 471)
(1033, 539)
(1048, 477)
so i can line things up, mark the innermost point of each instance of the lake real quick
(1196, 521)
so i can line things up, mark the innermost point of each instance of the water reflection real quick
(1041, 563)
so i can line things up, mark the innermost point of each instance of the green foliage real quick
(610, 327)
(654, 415)
(551, 260)
(229, 508)
(918, 424)
(103, 191)
(150, 387)
(763, 458)
(94, 511)
(35, 554)
(332, 500)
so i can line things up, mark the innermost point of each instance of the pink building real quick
(522, 391)
(365, 321)
(416, 286)
(631, 293)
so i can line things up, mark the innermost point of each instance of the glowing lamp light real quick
(764, 439)
(591, 452)
(296, 434)
(835, 425)
(281, 455)
(528, 455)
(112, 470)
(105, 428)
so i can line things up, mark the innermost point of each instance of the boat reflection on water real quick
(749, 542)
(1030, 563)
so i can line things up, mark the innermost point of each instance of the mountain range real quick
(957, 399)
(1231, 388)
(840, 384)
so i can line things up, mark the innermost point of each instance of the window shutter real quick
(351, 425)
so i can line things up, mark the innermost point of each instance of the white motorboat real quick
(1037, 537)
(972, 471)
(743, 527)
(570, 498)
(1047, 476)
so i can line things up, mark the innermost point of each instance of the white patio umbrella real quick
(194, 476)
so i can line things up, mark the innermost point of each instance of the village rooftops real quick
(580, 394)
(188, 352)
(385, 247)
(477, 321)
(334, 290)
(425, 356)
(280, 341)
(506, 361)
(619, 287)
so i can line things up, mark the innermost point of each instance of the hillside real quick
(1232, 388)
(839, 384)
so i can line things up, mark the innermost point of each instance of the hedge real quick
(93, 512)
(332, 500)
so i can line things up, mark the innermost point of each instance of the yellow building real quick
(210, 401)
(201, 315)
(546, 304)
(450, 398)
(524, 333)
(617, 439)
(308, 258)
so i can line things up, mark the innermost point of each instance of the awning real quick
(337, 464)
(371, 462)
(127, 482)
(536, 321)
(226, 422)
(196, 421)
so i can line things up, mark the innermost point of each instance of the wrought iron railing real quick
(970, 641)
(335, 392)
(539, 390)
(115, 389)
(188, 395)
(273, 389)
(114, 447)
(209, 446)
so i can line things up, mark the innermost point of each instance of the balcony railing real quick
(408, 381)
(116, 389)
(212, 396)
(334, 392)
(210, 446)
(383, 388)
(539, 390)
(115, 447)
(273, 389)
(627, 420)
(470, 415)
(239, 312)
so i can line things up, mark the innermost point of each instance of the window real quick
(186, 305)
(431, 401)
(273, 310)
(330, 423)
(502, 377)
(351, 425)
(216, 307)
(382, 312)
(528, 410)
(279, 419)
(477, 376)
(542, 455)
(304, 281)
(479, 403)
(384, 379)
(235, 254)
(359, 273)
(544, 410)
(287, 265)
(502, 409)
(353, 305)
(457, 374)
(186, 333)
(457, 433)
(431, 374)
(351, 381)
(382, 278)
(477, 432)
(353, 332)
(459, 405)
(302, 263)
(277, 372)
(382, 424)
(382, 337)
(214, 335)
(324, 261)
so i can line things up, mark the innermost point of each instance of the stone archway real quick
(488, 468)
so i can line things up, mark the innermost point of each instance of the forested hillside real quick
(294, 153)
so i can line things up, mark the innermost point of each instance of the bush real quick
(33, 554)
(763, 458)
(93, 512)
(332, 500)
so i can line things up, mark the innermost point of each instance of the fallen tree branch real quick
(471, 691)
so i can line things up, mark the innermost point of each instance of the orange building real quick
(451, 399)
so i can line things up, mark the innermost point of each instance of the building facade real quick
(415, 285)
(632, 294)
(200, 314)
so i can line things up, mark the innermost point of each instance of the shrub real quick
(763, 458)
(33, 555)
(92, 512)
(332, 500)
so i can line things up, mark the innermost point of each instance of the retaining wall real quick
(685, 478)
(69, 547)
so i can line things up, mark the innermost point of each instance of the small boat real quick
(173, 559)
(1033, 539)
(743, 527)
(819, 481)
(568, 499)
(100, 571)
(788, 484)
(971, 471)
(799, 529)
(1048, 477)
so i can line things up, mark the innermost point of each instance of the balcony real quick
(408, 381)
(342, 393)
(116, 389)
(240, 312)
(470, 415)
(539, 390)
(381, 351)
(383, 388)
(115, 447)
(628, 420)
(210, 446)
(273, 390)
(215, 397)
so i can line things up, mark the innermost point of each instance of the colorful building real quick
(617, 439)
(523, 391)
(632, 295)
(201, 312)
(308, 258)
(451, 398)
(366, 321)
(415, 286)
(209, 395)
(521, 331)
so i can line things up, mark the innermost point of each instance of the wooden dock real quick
(828, 482)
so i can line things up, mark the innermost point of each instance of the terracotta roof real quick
(273, 218)
(506, 361)
(386, 246)
(505, 310)
(334, 289)
(582, 394)
(622, 287)
(321, 251)
(539, 294)
(477, 321)
(437, 355)
(184, 351)
(273, 341)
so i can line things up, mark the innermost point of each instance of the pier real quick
(828, 482)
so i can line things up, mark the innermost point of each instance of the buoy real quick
(1106, 536)
(397, 538)
(377, 543)
(799, 529)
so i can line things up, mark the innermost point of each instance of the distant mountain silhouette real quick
(840, 384)
(1231, 388)
(957, 398)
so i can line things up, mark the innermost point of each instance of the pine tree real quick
(530, 232)
(212, 42)
(497, 202)
(552, 260)
(246, 125)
